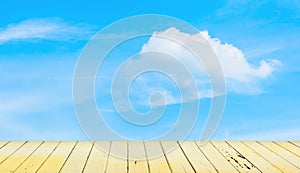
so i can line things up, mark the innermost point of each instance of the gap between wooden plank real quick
(186, 156)
(295, 143)
(88, 156)
(2, 144)
(108, 154)
(165, 155)
(148, 166)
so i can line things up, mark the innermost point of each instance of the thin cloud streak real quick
(44, 29)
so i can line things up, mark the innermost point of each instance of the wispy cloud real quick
(36, 98)
(44, 29)
(283, 133)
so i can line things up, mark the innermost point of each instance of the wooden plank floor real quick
(165, 157)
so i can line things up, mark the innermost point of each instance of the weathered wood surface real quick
(128, 156)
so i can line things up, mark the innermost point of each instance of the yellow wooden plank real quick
(262, 164)
(16, 159)
(137, 157)
(176, 159)
(238, 160)
(97, 160)
(9, 149)
(297, 143)
(37, 158)
(156, 158)
(277, 161)
(117, 159)
(56, 160)
(291, 147)
(196, 157)
(216, 158)
(78, 157)
(188, 157)
(285, 154)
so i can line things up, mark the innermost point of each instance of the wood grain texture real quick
(156, 158)
(117, 159)
(283, 153)
(137, 157)
(8, 149)
(149, 157)
(262, 164)
(238, 160)
(56, 160)
(98, 157)
(177, 160)
(37, 158)
(272, 157)
(196, 157)
(18, 157)
(290, 147)
(76, 161)
(220, 163)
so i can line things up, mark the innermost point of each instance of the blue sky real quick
(40, 43)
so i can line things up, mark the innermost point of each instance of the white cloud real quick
(240, 75)
(52, 29)
(234, 63)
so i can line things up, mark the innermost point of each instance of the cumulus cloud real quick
(240, 75)
(50, 29)
(234, 63)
